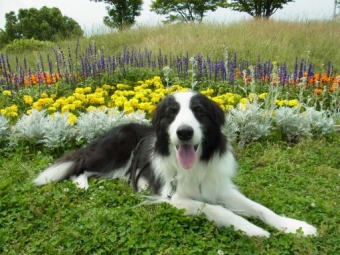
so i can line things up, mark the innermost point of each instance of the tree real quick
(46, 24)
(122, 13)
(259, 9)
(185, 10)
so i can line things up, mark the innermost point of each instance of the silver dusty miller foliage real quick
(58, 131)
(4, 126)
(95, 122)
(30, 127)
(247, 124)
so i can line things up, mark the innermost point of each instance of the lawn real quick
(299, 181)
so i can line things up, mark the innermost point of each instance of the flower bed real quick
(55, 121)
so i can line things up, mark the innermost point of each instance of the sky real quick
(89, 15)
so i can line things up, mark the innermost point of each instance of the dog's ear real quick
(217, 114)
(158, 113)
(213, 111)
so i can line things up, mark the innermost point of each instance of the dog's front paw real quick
(288, 225)
(252, 230)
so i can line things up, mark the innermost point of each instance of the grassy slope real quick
(274, 40)
(300, 181)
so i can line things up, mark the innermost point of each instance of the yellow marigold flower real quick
(128, 93)
(87, 90)
(228, 107)
(91, 108)
(7, 93)
(229, 95)
(176, 87)
(98, 90)
(43, 95)
(122, 86)
(13, 108)
(53, 96)
(96, 100)
(28, 100)
(244, 101)
(144, 106)
(29, 112)
(78, 103)
(151, 109)
(44, 101)
(281, 102)
(3, 111)
(13, 114)
(106, 86)
(102, 107)
(68, 107)
(37, 106)
(293, 102)
(100, 93)
(70, 99)
(155, 98)
(61, 101)
(133, 102)
(138, 89)
(208, 92)
(218, 100)
(120, 101)
(81, 90)
(128, 108)
(263, 96)
(51, 109)
(72, 119)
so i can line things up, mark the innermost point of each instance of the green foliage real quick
(187, 11)
(257, 8)
(46, 24)
(61, 219)
(121, 13)
(32, 45)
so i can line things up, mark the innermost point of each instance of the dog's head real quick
(188, 124)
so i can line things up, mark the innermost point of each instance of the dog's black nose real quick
(185, 133)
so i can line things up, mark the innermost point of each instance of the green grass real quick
(300, 181)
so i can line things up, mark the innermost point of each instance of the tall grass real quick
(317, 41)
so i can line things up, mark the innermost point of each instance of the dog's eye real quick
(171, 110)
(198, 109)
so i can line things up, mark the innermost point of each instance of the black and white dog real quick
(183, 158)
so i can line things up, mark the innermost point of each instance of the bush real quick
(21, 45)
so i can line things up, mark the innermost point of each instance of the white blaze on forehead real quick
(185, 116)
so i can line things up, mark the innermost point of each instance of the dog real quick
(183, 158)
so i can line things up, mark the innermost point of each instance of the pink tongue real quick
(186, 155)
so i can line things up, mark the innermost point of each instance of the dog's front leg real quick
(238, 203)
(218, 214)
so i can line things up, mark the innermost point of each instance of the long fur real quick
(185, 145)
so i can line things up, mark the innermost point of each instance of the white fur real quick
(80, 181)
(55, 172)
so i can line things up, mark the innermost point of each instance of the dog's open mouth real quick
(186, 155)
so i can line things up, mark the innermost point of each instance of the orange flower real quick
(317, 91)
(334, 87)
